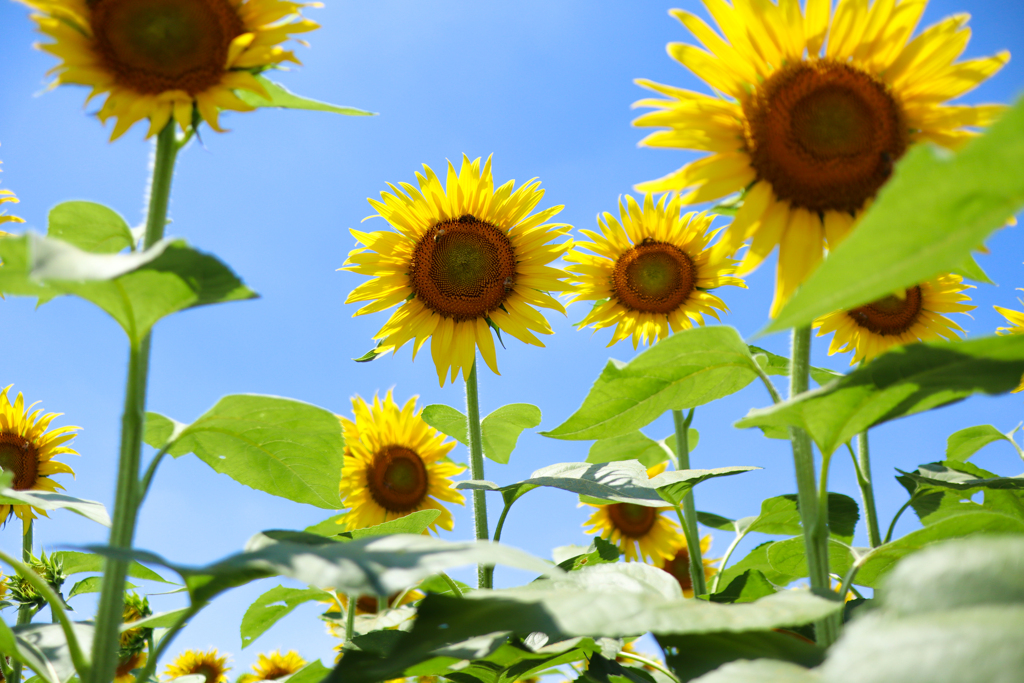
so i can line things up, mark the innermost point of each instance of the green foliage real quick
(274, 605)
(970, 270)
(599, 552)
(945, 206)
(413, 523)
(774, 364)
(279, 96)
(760, 671)
(749, 586)
(45, 649)
(633, 446)
(674, 485)
(756, 559)
(448, 421)
(136, 289)
(280, 446)
(904, 381)
(691, 656)
(789, 557)
(52, 500)
(692, 439)
(75, 562)
(963, 444)
(91, 227)
(501, 429)
(313, 672)
(688, 369)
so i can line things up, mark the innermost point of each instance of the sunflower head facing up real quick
(164, 59)
(395, 464)
(819, 105)
(273, 666)
(27, 450)
(650, 272)
(463, 257)
(641, 533)
(679, 564)
(207, 664)
(915, 314)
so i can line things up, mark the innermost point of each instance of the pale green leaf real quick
(273, 606)
(448, 421)
(90, 227)
(501, 429)
(675, 484)
(285, 99)
(760, 671)
(963, 444)
(75, 562)
(52, 500)
(633, 446)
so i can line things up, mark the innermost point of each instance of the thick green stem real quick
(25, 611)
(476, 470)
(867, 491)
(122, 531)
(350, 618)
(688, 515)
(815, 527)
(497, 537)
(456, 591)
(892, 525)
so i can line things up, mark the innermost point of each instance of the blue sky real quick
(546, 88)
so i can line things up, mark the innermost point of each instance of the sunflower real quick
(134, 640)
(651, 272)
(6, 196)
(462, 259)
(816, 110)
(395, 464)
(1015, 318)
(126, 665)
(640, 532)
(159, 59)
(913, 315)
(206, 664)
(27, 451)
(367, 604)
(274, 666)
(679, 565)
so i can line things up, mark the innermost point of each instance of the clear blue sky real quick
(543, 85)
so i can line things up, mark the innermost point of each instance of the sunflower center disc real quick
(463, 269)
(825, 135)
(653, 277)
(632, 521)
(211, 673)
(398, 479)
(152, 46)
(368, 603)
(891, 315)
(18, 457)
(679, 567)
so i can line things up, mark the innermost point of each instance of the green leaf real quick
(773, 364)
(789, 557)
(279, 96)
(945, 206)
(92, 584)
(963, 444)
(313, 672)
(136, 289)
(161, 431)
(692, 439)
(939, 475)
(688, 369)
(633, 446)
(970, 270)
(904, 381)
(87, 563)
(843, 515)
(779, 516)
(51, 500)
(27, 654)
(283, 447)
(90, 227)
(274, 605)
(413, 523)
(716, 521)
(756, 559)
(882, 559)
(696, 655)
(501, 429)
(747, 587)
(448, 421)
(600, 552)
(674, 485)
(48, 642)
(330, 527)
(761, 671)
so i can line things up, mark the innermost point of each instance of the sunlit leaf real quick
(774, 364)
(413, 523)
(939, 475)
(749, 586)
(789, 557)
(970, 270)
(90, 227)
(285, 99)
(273, 606)
(675, 484)
(93, 584)
(760, 671)
(904, 381)
(633, 446)
(49, 641)
(945, 206)
(756, 559)
(501, 429)
(75, 562)
(963, 444)
(52, 500)
(447, 420)
(688, 369)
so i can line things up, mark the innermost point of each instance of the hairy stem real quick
(867, 491)
(476, 469)
(451, 584)
(688, 514)
(122, 531)
(25, 611)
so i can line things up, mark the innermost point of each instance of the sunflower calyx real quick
(133, 641)
(50, 568)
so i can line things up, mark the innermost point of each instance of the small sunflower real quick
(679, 565)
(134, 640)
(651, 272)
(395, 464)
(273, 666)
(126, 665)
(367, 604)
(206, 664)
(27, 451)
(642, 533)
(875, 328)
(7, 197)
(159, 59)
(463, 258)
(817, 108)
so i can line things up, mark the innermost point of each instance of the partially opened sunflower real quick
(158, 59)
(812, 109)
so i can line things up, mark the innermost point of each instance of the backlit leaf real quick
(698, 654)
(501, 429)
(447, 420)
(963, 444)
(633, 446)
(285, 99)
(274, 605)
(90, 227)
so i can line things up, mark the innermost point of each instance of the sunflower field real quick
(801, 464)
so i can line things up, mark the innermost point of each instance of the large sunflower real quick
(642, 533)
(814, 110)
(161, 58)
(27, 451)
(917, 315)
(273, 666)
(206, 664)
(679, 564)
(462, 259)
(395, 464)
(651, 272)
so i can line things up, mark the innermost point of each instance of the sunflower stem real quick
(122, 531)
(867, 491)
(350, 618)
(814, 525)
(654, 664)
(476, 470)
(725, 560)
(25, 611)
(688, 513)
